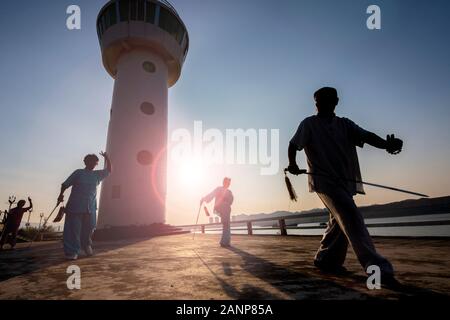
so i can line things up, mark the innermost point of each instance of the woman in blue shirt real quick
(81, 208)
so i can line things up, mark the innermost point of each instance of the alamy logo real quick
(73, 21)
(234, 146)
(74, 280)
(374, 279)
(374, 20)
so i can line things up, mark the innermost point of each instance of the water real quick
(416, 231)
(419, 231)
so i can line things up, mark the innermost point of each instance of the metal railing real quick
(249, 224)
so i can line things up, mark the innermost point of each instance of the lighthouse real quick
(144, 44)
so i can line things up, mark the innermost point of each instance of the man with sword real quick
(330, 144)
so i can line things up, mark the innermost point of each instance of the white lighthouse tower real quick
(144, 44)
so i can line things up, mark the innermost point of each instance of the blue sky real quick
(251, 64)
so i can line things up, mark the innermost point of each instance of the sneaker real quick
(89, 252)
(71, 256)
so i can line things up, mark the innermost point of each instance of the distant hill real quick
(403, 208)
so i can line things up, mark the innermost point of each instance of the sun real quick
(191, 173)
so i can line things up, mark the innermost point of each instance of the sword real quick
(196, 222)
(366, 183)
(38, 233)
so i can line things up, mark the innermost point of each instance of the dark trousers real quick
(346, 225)
(11, 230)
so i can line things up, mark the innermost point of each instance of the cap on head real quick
(326, 99)
(21, 203)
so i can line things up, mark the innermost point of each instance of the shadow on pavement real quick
(39, 256)
(294, 283)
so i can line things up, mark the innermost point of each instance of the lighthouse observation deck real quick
(123, 25)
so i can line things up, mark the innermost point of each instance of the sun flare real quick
(191, 173)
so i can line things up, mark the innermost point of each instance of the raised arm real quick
(391, 144)
(375, 140)
(107, 161)
(30, 206)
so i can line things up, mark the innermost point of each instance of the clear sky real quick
(251, 64)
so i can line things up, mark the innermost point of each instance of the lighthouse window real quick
(149, 66)
(169, 23)
(148, 108)
(111, 15)
(124, 10)
(137, 9)
(144, 158)
(150, 12)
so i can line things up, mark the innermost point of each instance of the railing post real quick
(249, 228)
(282, 224)
(203, 228)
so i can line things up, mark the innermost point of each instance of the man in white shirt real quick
(222, 206)
(330, 146)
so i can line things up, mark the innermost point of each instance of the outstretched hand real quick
(393, 144)
(103, 154)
